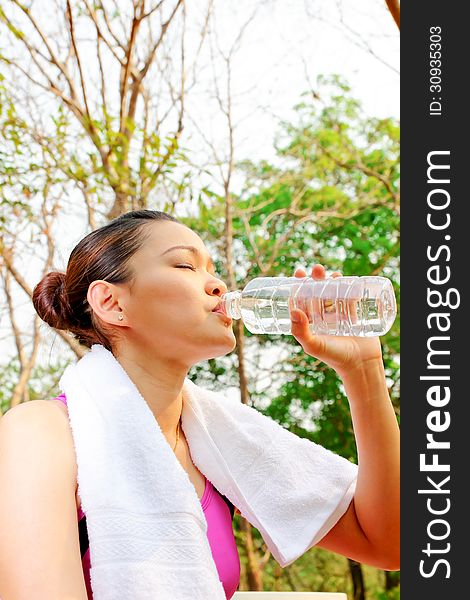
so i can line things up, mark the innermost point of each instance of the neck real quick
(160, 382)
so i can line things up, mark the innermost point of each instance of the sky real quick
(286, 45)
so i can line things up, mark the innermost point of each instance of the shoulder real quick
(38, 512)
(38, 414)
(30, 412)
(40, 426)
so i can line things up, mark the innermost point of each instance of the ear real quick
(104, 297)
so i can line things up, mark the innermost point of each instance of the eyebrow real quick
(192, 249)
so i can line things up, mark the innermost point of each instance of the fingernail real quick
(295, 317)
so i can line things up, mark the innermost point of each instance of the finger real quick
(298, 318)
(300, 329)
(318, 271)
(300, 272)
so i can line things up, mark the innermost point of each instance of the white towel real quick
(146, 528)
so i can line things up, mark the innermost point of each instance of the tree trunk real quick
(394, 8)
(254, 574)
(277, 577)
(392, 580)
(357, 579)
(120, 206)
(253, 571)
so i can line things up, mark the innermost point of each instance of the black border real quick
(422, 133)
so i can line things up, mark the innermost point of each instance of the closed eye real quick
(192, 269)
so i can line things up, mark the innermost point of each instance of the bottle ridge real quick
(346, 306)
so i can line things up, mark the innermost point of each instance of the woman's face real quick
(168, 308)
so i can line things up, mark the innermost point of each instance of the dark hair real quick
(60, 299)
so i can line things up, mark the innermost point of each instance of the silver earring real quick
(121, 317)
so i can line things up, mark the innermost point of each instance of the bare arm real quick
(369, 531)
(39, 543)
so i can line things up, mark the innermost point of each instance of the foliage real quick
(117, 150)
(318, 570)
(42, 384)
(331, 197)
(110, 135)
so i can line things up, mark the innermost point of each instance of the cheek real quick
(166, 302)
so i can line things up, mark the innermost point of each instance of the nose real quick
(216, 287)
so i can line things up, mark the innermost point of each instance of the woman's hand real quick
(344, 354)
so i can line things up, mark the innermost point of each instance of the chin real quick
(213, 345)
(222, 349)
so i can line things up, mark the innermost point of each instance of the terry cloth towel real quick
(147, 531)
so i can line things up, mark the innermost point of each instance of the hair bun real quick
(50, 301)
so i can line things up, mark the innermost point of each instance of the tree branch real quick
(53, 57)
(151, 54)
(11, 313)
(70, 21)
(125, 71)
(394, 8)
(20, 391)
(74, 345)
(100, 33)
(108, 26)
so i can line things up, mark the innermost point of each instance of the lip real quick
(226, 319)
(218, 306)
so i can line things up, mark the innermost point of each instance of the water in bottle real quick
(351, 306)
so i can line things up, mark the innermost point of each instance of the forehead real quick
(163, 235)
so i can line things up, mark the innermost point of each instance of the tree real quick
(92, 114)
(332, 197)
(106, 137)
(31, 195)
(122, 139)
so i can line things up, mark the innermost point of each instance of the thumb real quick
(298, 318)
(299, 326)
(300, 329)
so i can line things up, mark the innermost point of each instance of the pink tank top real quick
(219, 533)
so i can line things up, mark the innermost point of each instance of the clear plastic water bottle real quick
(353, 306)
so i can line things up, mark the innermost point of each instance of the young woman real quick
(144, 287)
